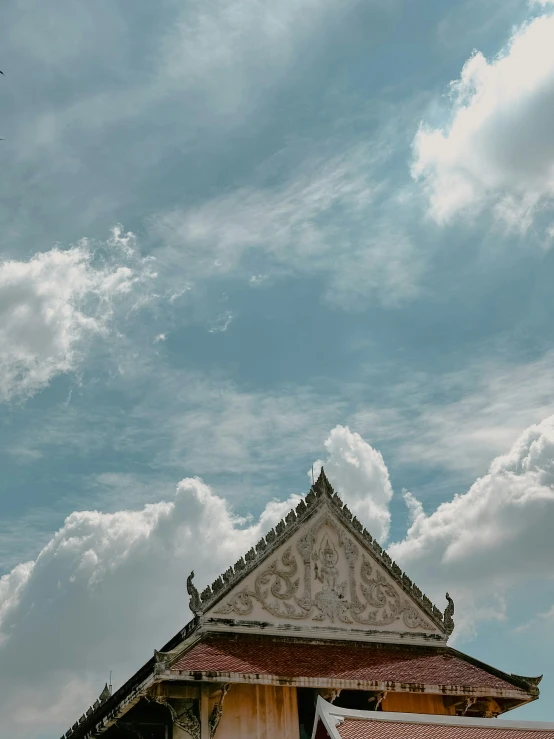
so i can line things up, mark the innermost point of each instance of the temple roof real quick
(342, 723)
(272, 660)
(352, 592)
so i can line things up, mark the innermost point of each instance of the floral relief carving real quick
(335, 586)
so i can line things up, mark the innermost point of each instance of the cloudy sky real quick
(240, 238)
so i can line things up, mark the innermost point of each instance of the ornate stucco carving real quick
(217, 711)
(186, 719)
(412, 606)
(324, 576)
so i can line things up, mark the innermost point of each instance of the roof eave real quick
(173, 675)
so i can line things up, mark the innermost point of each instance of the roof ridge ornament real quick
(195, 604)
(105, 694)
(448, 619)
(533, 681)
(322, 485)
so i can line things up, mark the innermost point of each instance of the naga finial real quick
(195, 604)
(448, 619)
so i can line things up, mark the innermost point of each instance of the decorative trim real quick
(329, 694)
(211, 676)
(186, 720)
(230, 626)
(532, 681)
(448, 616)
(195, 604)
(217, 711)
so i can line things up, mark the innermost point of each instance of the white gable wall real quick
(323, 577)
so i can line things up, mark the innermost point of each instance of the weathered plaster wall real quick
(258, 712)
(416, 703)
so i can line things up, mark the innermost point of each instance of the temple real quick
(314, 629)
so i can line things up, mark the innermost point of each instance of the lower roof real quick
(342, 723)
(368, 665)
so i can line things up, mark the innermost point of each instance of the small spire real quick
(322, 484)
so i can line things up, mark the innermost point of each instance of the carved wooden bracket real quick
(380, 698)
(330, 694)
(217, 711)
(186, 720)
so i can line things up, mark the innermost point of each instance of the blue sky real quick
(238, 239)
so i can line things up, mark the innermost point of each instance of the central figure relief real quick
(338, 585)
(331, 598)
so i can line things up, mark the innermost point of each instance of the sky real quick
(242, 238)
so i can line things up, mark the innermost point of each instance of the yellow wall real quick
(260, 712)
(416, 703)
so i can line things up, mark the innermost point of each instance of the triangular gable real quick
(320, 570)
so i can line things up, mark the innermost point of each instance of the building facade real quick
(316, 611)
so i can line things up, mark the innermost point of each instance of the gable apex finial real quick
(322, 485)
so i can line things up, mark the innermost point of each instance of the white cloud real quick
(497, 151)
(359, 474)
(228, 50)
(330, 218)
(52, 303)
(218, 59)
(94, 597)
(459, 421)
(493, 538)
(257, 279)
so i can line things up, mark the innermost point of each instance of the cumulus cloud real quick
(360, 475)
(52, 303)
(107, 584)
(492, 538)
(102, 588)
(497, 151)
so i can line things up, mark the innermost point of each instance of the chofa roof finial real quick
(195, 604)
(448, 619)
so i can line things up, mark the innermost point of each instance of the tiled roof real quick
(341, 661)
(360, 729)
(341, 723)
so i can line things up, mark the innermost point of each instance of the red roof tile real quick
(361, 729)
(345, 661)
